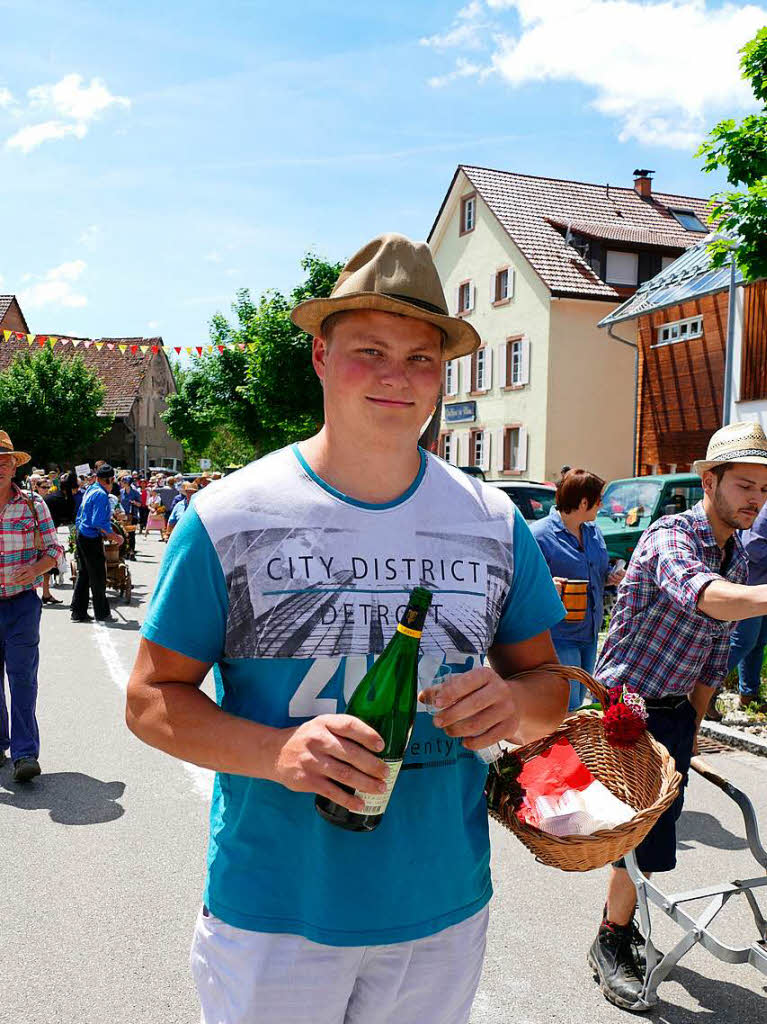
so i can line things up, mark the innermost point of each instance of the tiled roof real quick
(612, 232)
(689, 277)
(5, 304)
(122, 373)
(528, 207)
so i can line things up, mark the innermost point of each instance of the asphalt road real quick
(103, 864)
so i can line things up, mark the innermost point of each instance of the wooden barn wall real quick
(753, 379)
(680, 387)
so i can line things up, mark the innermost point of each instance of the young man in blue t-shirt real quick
(288, 578)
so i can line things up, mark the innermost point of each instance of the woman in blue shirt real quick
(574, 549)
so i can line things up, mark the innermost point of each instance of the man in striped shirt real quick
(28, 549)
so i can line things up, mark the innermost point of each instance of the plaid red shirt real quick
(659, 643)
(17, 539)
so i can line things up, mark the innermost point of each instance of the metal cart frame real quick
(697, 929)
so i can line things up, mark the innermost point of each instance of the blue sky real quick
(154, 160)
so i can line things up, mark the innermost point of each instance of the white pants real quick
(246, 977)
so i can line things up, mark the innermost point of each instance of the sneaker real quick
(25, 769)
(81, 618)
(615, 969)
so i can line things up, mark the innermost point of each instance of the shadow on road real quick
(717, 1000)
(131, 626)
(699, 827)
(71, 797)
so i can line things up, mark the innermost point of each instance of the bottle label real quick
(416, 633)
(376, 803)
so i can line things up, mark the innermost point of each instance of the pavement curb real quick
(734, 738)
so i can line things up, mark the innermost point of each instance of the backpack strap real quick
(32, 506)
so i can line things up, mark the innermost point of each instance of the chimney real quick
(643, 182)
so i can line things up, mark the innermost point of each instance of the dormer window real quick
(622, 267)
(688, 219)
(468, 213)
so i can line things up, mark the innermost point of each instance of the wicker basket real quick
(643, 776)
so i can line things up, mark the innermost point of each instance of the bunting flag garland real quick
(136, 349)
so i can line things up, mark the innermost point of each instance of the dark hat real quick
(105, 472)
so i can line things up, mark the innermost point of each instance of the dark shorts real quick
(675, 729)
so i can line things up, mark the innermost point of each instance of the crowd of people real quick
(286, 578)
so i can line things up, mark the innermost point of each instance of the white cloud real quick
(463, 69)
(29, 138)
(465, 30)
(54, 287)
(91, 236)
(659, 67)
(152, 325)
(71, 106)
(71, 99)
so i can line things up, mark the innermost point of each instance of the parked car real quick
(630, 505)
(473, 471)
(534, 500)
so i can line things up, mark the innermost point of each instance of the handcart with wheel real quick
(697, 927)
(118, 573)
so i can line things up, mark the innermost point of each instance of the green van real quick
(629, 506)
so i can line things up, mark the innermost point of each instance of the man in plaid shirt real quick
(28, 549)
(683, 591)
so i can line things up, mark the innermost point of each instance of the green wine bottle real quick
(386, 700)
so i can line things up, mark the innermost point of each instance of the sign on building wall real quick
(460, 412)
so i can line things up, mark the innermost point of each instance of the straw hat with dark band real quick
(737, 442)
(6, 448)
(393, 275)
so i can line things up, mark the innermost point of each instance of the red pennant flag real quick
(41, 342)
(134, 349)
(177, 349)
(41, 339)
(220, 348)
(155, 349)
(20, 336)
(198, 350)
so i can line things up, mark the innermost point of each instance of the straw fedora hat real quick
(393, 275)
(6, 448)
(737, 442)
(189, 485)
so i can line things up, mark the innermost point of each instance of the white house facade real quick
(547, 387)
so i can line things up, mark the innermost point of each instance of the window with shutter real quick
(480, 372)
(451, 377)
(501, 291)
(465, 297)
(477, 448)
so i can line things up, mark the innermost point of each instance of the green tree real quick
(265, 396)
(740, 148)
(49, 405)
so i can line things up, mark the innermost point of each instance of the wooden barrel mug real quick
(575, 598)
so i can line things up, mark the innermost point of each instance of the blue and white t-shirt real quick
(292, 589)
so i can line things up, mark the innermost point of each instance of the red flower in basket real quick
(626, 717)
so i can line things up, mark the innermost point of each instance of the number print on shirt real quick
(307, 703)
